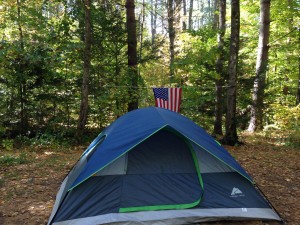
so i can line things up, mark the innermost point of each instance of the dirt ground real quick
(28, 190)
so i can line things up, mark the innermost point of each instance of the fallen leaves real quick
(28, 190)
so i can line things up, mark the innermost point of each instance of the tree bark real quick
(191, 14)
(201, 18)
(256, 120)
(178, 15)
(219, 83)
(153, 21)
(22, 80)
(132, 55)
(298, 91)
(184, 26)
(209, 11)
(216, 8)
(171, 31)
(231, 137)
(142, 21)
(83, 113)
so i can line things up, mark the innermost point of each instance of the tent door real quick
(162, 173)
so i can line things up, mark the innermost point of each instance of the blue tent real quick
(152, 166)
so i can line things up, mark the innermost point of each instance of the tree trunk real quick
(201, 18)
(153, 21)
(132, 55)
(178, 15)
(256, 120)
(83, 113)
(231, 137)
(209, 11)
(22, 80)
(216, 8)
(184, 26)
(191, 14)
(298, 92)
(220, 69)
(171, 31)
(142, 21)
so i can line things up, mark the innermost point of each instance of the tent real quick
(155, 166)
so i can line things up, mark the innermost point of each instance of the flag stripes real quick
(168, 98)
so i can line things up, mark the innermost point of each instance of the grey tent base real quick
(176, 217)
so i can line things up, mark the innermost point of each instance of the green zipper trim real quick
(159, 207)
(251, 181)
(196, 165)
(176, 206)
(194, 156)
(179, 133)
(218, 143)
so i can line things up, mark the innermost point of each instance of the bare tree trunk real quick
(256, 120)
(231, 137)
(153, 21)
(178, 16)
(209, 10)
(83, 113)
(184, 26)
(219, 83)
(215, 9)
(22, 80)
(19, 25)
(142, 21)
(132, 55)
(291, 28)
(298, 92)
(201, 5)
(191, 14)
(171, 31)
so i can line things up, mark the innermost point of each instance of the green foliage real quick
(286, 123)
(287, 118)
(7, 144)
(40, 70)
(10, 160)
(293, 138)
(198, 56)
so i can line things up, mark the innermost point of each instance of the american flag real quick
(168, 98)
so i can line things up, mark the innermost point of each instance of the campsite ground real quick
(30, 177)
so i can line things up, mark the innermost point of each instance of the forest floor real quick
(30, 178)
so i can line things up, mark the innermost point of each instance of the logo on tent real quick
(236, 192)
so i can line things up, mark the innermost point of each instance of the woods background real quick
(71, 66)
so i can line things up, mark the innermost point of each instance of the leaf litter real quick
(28, 190)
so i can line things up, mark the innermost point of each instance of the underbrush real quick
(56, 141)
(274, 137)
(13, 159)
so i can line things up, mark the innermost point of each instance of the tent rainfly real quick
(155, 166)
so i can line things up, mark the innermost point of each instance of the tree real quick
(20, 69)
(231, 137)
(256, 120)
(298, 89)
(153, 20)
(42, 48)
(184, 26)
(191, 8)
(141, 30)
(219, 68)
(83, 113)
(171, 32)
(132, 55)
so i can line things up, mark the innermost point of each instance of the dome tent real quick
(154, 166)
